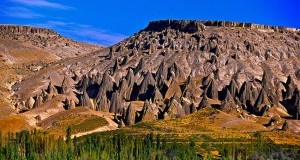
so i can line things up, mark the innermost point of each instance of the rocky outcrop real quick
(116, 103)
(64, 86)
(107, 85)
(140, 66)
(161, 74)
(182, 26)
(174, 88)
(174, 109)
(157, 96)
(69, 104)
(86, 101)
(149, 112)
(46, 40)
(130, 116)
(204, 103)
(198, 26)
(25, 30)
(211, 90)
(29, 103)
(147, 86)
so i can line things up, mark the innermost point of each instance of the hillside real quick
(24, 51)
(47, 40)
(247, 73)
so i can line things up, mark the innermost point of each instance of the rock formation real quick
(178, 67)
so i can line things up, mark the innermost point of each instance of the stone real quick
(52, 91)
(161, 73)
(130, 78)
(182, 26)
(290, 87)
(123, 89)
(233, 88)
(244, 94)
(249, 46)
(38, 117)
(173, 89)
(102, 105)
(176, 71)
(107, 85)
(285, 126)
(157, 97)
(130, 115)
(174, 108)
(261, 102)
(204, 103)
(112, 52)
(121, 124)
(38, 101)
(149, 112)
(147, 86)
(116, 103)
(211, 90)
(64, 86)
(141, 65)
(116, 66)
(193, 108)
(29, 103)
(85, 101)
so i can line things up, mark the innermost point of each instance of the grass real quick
(13, 123)
(78, 123)
(89, 124)
(209, 126)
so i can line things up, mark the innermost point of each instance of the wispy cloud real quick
(20, 12)
(101, 36)
(84, 32)
(42, 3)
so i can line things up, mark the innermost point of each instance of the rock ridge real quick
(16, 29)
(192, 26)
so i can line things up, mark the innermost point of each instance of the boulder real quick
(29, 103)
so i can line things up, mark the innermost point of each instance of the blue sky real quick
(108, 22)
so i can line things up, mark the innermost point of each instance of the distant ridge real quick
(191, 26)
(25, 29)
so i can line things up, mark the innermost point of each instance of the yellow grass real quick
(13, 123)
(78, 123)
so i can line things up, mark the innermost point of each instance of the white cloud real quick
(20, 12)
(84, 32)
(43, 3)
(104, 37)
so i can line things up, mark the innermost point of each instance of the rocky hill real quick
(24, 51)
(168, 70)
(47, 40)
(174, 68)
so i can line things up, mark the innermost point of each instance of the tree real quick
(68, 135)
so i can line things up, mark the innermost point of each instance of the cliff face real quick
(195, 26)
(15, 29)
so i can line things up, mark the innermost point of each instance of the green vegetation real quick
(41, 145)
